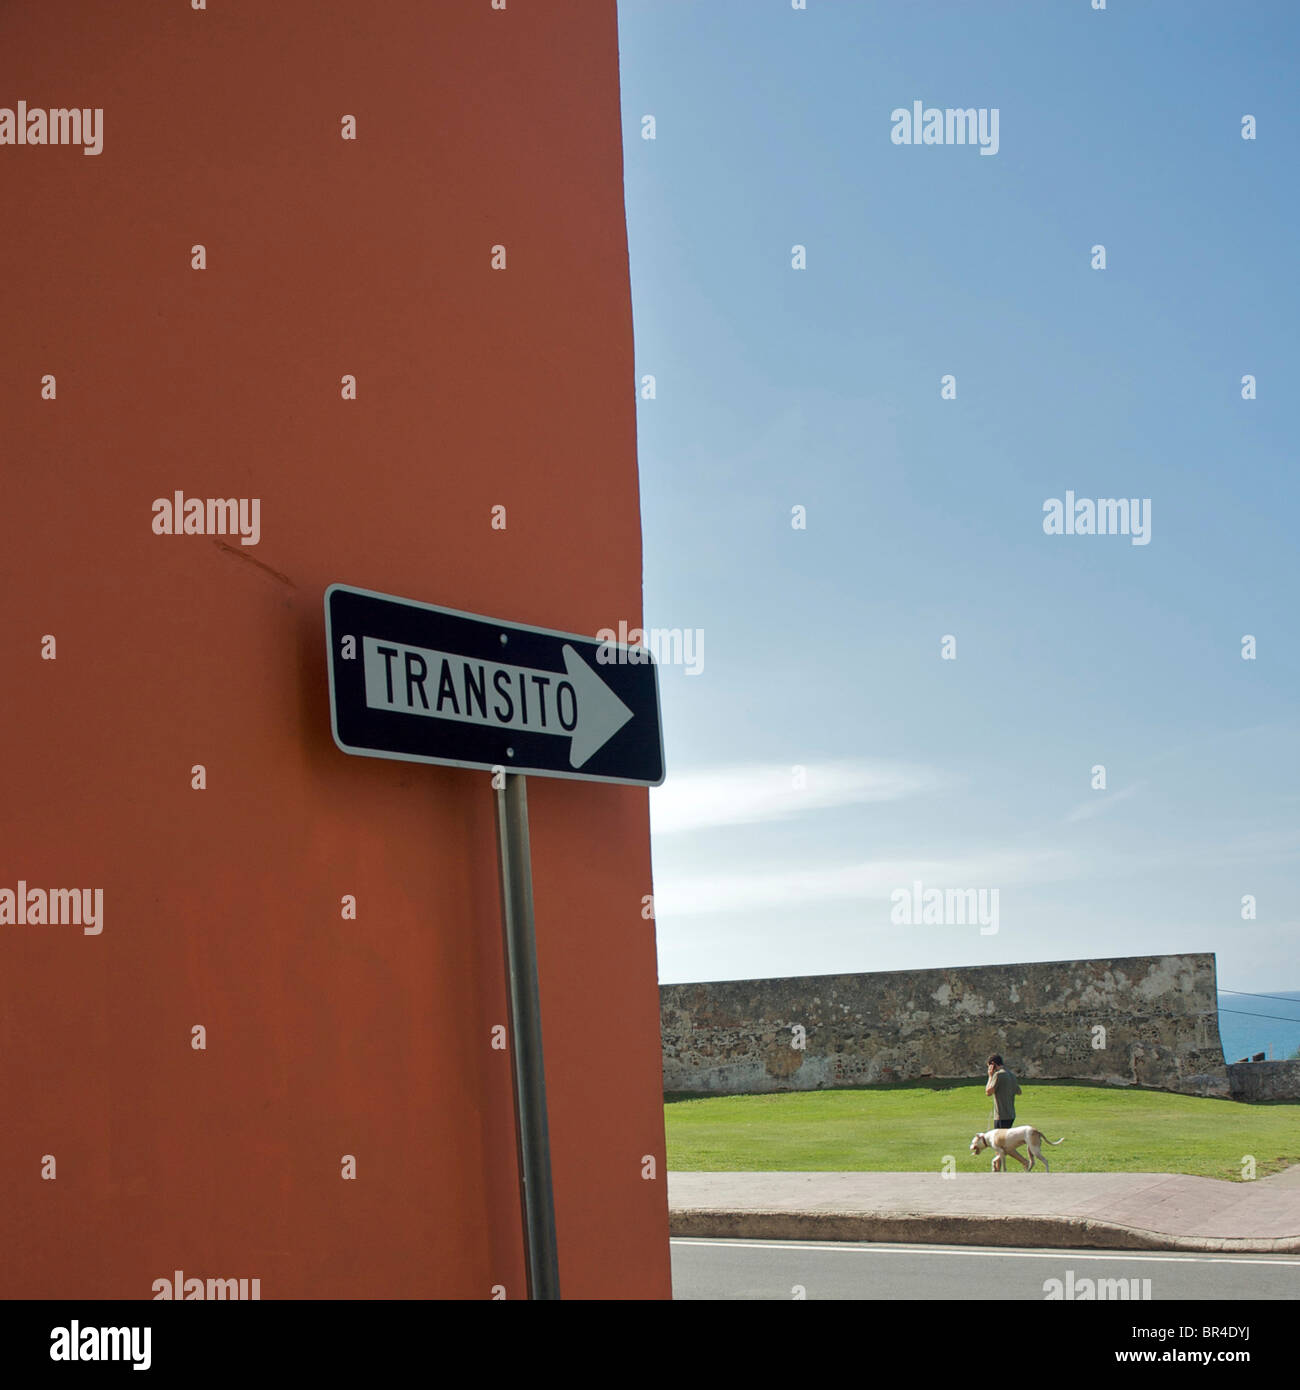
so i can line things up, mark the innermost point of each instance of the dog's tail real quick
(1046, 1140)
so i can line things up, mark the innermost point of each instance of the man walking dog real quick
(1006, 1137)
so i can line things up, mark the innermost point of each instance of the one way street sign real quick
(424, 684)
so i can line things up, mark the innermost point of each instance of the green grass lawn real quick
(911, 1128)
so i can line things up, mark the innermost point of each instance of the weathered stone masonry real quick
(1160, 1015)
(1278, 1080)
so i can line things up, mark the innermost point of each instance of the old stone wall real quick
(1265, 1080)
(1135, 1020)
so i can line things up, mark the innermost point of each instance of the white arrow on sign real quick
(578, 706)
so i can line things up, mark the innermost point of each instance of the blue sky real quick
(820, 388)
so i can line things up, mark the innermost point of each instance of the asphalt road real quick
(778, 1269)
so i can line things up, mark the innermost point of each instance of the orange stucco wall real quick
(222, 907)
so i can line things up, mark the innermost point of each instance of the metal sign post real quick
(537, 1198)
(424, 684)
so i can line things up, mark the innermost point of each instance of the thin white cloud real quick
(746, 795)
(1102, 801)
(698, 895)
(1256, 847)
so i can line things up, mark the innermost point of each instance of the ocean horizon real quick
(1244, 1029)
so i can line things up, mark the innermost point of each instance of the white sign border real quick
(646, 658)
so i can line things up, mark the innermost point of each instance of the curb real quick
(1063, 1232)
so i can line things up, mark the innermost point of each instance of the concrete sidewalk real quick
(1120, 1211)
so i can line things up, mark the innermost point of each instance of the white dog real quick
(1008, 1141)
